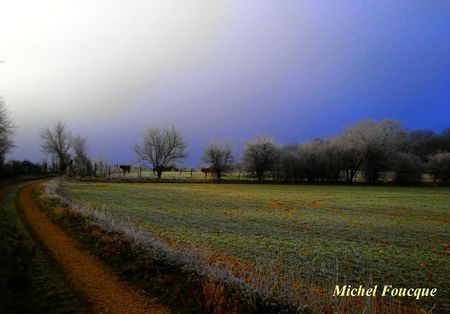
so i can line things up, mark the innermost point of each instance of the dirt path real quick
(104, 290)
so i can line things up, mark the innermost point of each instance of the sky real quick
(235, 70)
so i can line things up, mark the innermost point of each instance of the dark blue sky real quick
(294, 70)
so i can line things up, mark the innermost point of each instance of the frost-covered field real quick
(295, 238)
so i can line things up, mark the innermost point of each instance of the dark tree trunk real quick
(62, 163)
(259, 175)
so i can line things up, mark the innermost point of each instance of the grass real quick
(297, 236)
(235, 175)
(29, 281)
(184, 175)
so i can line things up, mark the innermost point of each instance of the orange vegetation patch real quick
(389, 215)
(447, 222)
(312, 204)
(170, 242)
(237, 265)
(275, 203)
(281, 206)
(104, 290)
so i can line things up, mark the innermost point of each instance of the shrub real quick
(439, 166)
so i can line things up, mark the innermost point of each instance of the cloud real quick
(229, 69)
(81, 59)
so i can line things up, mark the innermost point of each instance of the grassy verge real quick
(29, 282)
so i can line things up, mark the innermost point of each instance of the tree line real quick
(369, 150)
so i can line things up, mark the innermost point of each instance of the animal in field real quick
(207, 170)
(125, 168)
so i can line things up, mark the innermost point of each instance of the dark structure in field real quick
(125, 168)
(207, 170)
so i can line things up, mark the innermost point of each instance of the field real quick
(143, 173)
(184, 174)
(300, 236)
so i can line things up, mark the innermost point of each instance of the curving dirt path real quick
(104, 290)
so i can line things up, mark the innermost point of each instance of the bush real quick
(439, 166)
(407, 168)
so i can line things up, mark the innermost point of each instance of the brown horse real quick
(207, 170)
(125, 168)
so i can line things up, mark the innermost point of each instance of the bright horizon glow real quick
(227, 69)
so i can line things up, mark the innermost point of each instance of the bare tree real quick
(316, 160)
(407, 168)
(6, 132)
(56, 141)
(290, 163)
(260, 156)
(82, 166)
(312, 160)
(218, 156)
(352, 156)
(439, 166)
(333, 158)
(101, 167)
(372, 144)
(161, 149)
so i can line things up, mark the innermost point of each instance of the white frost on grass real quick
(188, 257)
(264, 281)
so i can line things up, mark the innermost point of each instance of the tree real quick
(422, 143)
(407, 168)
(373, 145)
(56, 141)
(333, 159)
(218, 156)
(446, 134)
(290, 163)
(161, 149)
(260, 156)
(352, 156)
(444, 140)
(22, 167)
(311, 159)
(439, 166)
(6, 132)
(101, 167)
(82, 166)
